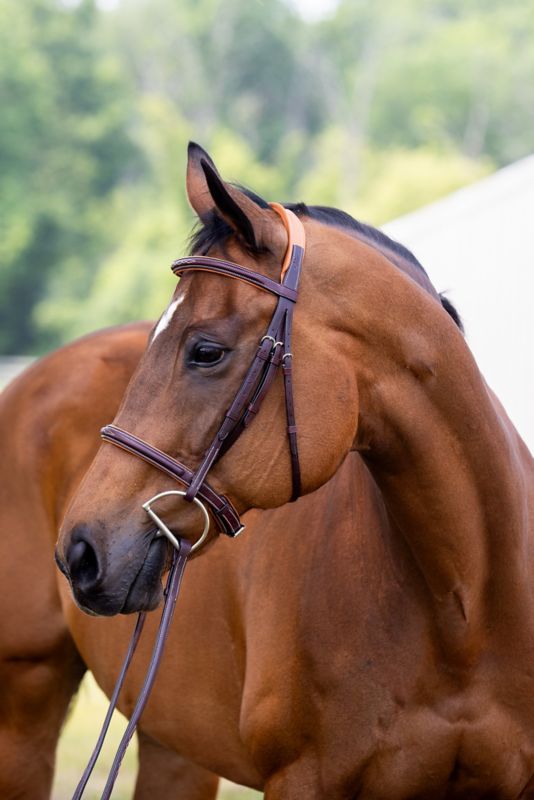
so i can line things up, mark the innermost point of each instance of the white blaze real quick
(166, 317)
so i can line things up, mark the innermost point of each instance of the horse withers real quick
(375, 639)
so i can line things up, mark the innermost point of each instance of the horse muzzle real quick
(117, 579)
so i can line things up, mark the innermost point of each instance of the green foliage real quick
(396, 181)
(63, 146)
(376, 109)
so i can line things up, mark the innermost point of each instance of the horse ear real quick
(208, 192)
(197, 188)
(241, 213)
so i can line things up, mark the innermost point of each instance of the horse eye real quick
(206, 355)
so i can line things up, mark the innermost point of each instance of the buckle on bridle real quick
(271, 339)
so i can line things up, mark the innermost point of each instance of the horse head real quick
(198, 357)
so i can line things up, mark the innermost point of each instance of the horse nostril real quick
(82, 562)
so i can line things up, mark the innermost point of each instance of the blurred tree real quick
(232, 64)
(456, 73)
(63, 146)
(375, 109)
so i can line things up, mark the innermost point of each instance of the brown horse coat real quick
(376, 639)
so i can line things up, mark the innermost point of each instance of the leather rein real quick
(274, 350)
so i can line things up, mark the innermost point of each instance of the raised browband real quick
(231, 270)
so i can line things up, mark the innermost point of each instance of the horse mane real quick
(213, 230)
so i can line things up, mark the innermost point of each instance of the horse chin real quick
(146, 591)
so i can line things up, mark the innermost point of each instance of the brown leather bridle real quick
(274, 350)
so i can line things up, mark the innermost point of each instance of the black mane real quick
(333, 216)
(213, 230)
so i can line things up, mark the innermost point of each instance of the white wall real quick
(478, 245)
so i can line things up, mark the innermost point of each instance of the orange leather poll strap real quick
(295, 233)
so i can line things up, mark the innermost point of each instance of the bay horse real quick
(381, 648)
(374, 639)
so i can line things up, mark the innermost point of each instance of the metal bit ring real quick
(164, 530)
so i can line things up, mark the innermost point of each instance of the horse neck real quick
(445, 457)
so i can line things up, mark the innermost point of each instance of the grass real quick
(76, 744)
